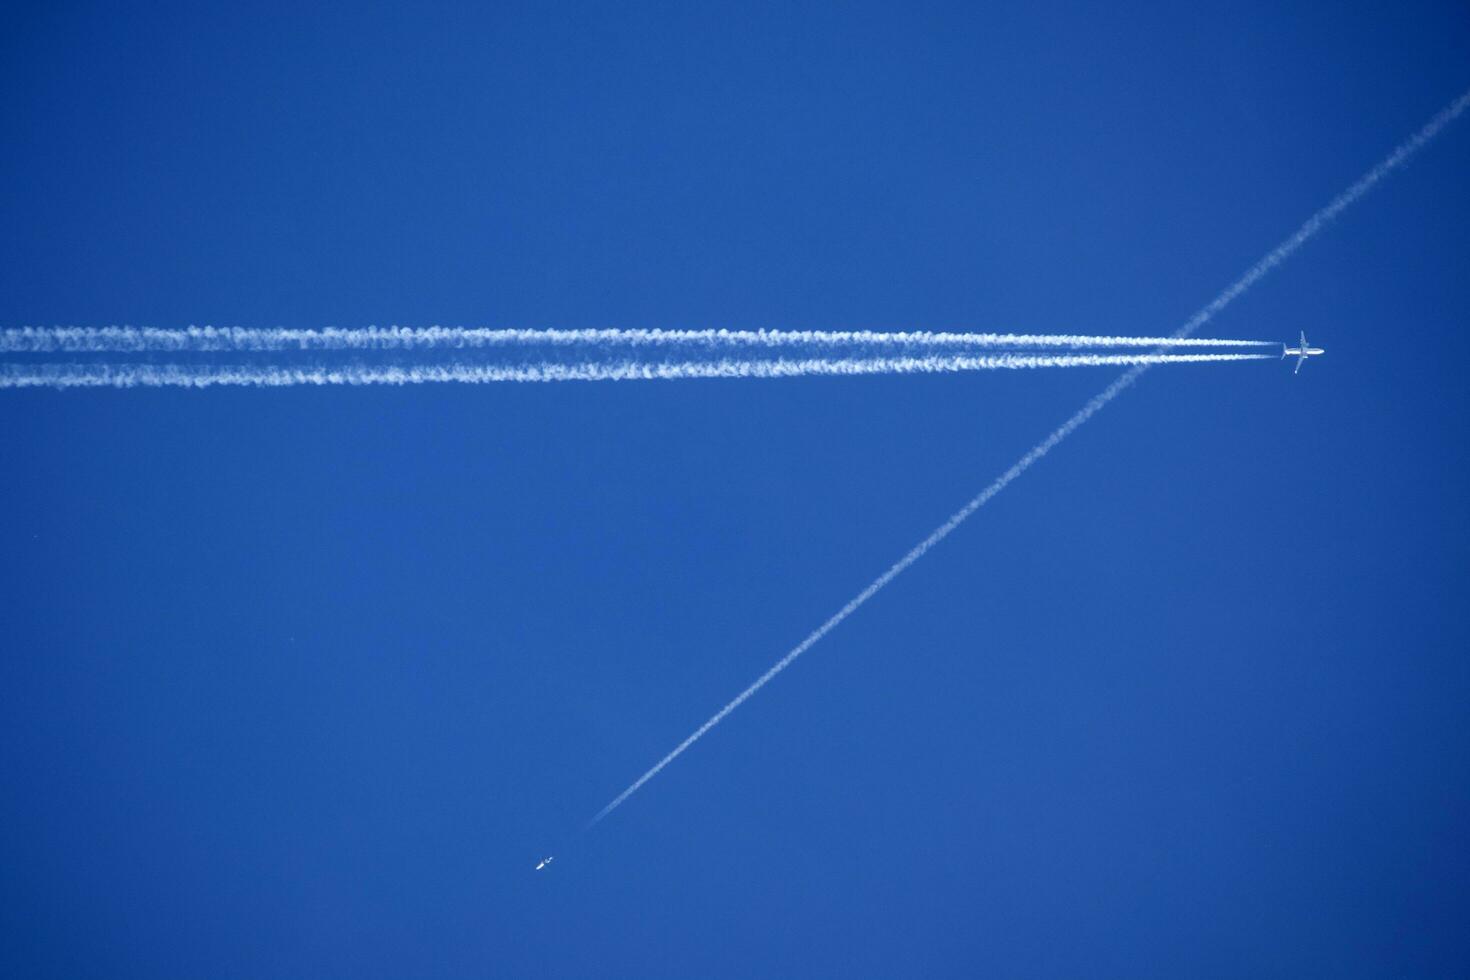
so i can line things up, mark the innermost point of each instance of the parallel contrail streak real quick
(277, 376)
(98, 340)
(1254, 274)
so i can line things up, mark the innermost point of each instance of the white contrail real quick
(1275, 257)
(896, 569)
(98, 340)
(278, 376)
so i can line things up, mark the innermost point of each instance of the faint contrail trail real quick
(1253, 275)
(279, 376)
(98, 340)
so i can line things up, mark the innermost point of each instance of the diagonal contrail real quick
(1254, 274)
(62, 376)
(100, 340)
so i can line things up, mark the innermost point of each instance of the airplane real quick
(1301, 352)
(544, 863)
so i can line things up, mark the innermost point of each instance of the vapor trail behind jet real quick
(1254, 274)
(101, 340)
(278, 376)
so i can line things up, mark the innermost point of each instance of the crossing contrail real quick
(1254, 274)
(278, 376)
(101, 340)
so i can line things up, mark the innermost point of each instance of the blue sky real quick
(303, 682)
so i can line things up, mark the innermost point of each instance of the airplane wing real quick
(1304, 340)
(1299, 359)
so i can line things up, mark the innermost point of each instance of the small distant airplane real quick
(1301, 352)
(544, 863)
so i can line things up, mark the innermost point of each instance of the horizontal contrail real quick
(278, 376)
(99, 340)
(1254, 274)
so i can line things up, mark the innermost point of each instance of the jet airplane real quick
(1301, 352)
(544, 862)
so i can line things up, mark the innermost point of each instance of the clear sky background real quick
(303, 682)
